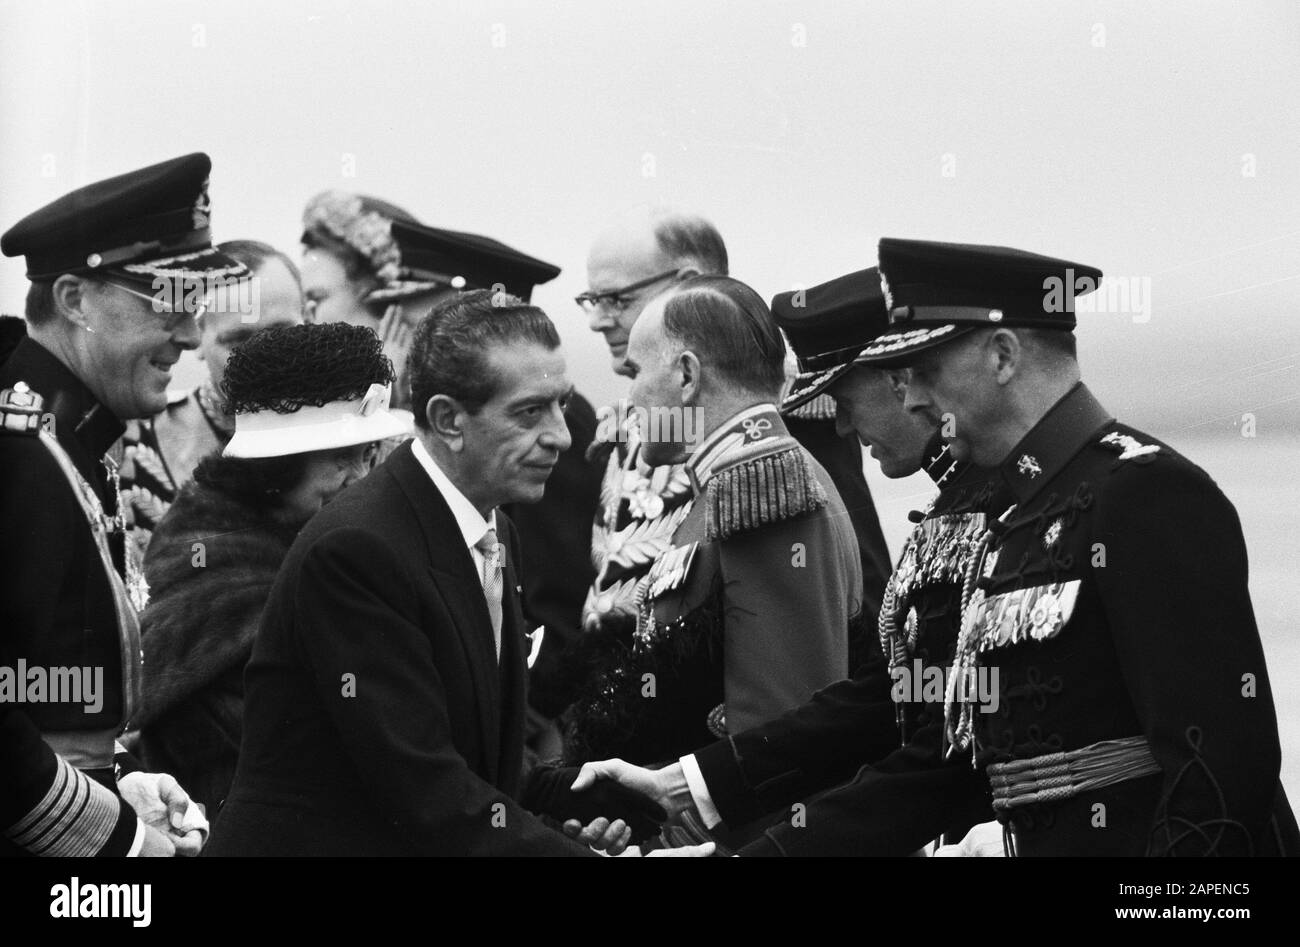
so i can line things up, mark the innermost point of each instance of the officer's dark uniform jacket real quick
(743, 616)
(859, 721)
(57, 605)
(1115, 606)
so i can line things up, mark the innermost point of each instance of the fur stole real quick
(210, 565)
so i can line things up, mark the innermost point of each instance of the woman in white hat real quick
(309, 402)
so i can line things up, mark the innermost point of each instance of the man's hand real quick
(666, 787)
(550, 791)
(156, 844)
(601, 834)
(162, 804)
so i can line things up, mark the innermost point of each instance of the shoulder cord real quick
(128, 622)
(959, 733)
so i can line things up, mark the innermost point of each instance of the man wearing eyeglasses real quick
(159, 454)
(637, 258)
(102, 338)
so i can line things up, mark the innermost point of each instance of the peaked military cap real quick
(828, 326)
(937, 292)
(464, 261)
(409, 258)
(141, 225)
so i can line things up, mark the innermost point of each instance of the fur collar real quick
(210, 565)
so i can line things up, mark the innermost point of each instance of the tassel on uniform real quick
(753, 491)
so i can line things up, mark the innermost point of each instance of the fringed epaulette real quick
(767, 482)
(821, 408)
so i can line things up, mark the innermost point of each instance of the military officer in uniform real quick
(875, 716)
(108, 314)
(747, 611)
(1111, 595)
(40, 787)
(642, 254)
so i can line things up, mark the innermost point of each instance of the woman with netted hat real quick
(309, 402)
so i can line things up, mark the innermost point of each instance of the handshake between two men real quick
(654, 810)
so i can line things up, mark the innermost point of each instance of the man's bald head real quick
(663, 237)
(655, 246)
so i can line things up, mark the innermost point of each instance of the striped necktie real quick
(491, 577)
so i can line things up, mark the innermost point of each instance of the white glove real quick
(982, 841)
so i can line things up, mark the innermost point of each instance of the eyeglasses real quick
(160, 306)
(618, 299)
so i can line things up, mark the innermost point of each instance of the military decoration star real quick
(1053, 532)
(137, 587)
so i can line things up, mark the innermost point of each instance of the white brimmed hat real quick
(268, 433)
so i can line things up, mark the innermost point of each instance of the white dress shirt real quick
(471, 523)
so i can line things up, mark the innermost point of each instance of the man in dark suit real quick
(385, 695)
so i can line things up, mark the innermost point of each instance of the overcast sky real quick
(1158, 141)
